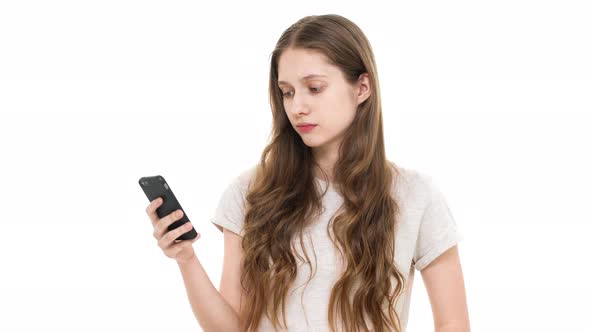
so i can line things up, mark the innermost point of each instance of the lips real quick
(306, 129)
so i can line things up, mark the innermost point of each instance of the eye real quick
(314, 90)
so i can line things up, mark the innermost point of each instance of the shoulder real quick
(414, 184)
(242, 179)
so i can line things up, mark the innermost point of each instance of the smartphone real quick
(156, 186)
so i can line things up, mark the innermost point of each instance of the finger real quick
(151, 209)
(182, 244)
(191, 241)
(169, 238)
(175, 233)
(161, 227)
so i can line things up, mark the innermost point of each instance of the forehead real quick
(297, 65)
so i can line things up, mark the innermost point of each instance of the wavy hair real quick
(280, 204)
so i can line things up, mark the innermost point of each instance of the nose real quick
(299, 106)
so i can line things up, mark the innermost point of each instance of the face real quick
(328, 100)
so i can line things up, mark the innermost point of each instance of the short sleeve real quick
(231, 209)
(438, 230)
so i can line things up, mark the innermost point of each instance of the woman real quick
(324, 183)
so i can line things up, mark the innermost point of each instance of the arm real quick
(443, 280)
(212, 311)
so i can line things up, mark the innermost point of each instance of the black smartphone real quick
(156, 186)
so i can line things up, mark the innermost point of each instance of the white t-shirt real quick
(426, 229)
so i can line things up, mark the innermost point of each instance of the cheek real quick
(339, 115)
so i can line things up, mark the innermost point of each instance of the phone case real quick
(156, 186)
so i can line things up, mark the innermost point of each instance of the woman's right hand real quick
(179, 250)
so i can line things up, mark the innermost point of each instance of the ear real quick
(363, 88)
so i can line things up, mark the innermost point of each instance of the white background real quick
(490, 98)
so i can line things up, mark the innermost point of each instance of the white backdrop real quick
(490, 98)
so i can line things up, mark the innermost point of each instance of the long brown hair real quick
(280, 203)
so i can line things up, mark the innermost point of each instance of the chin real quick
(312, 143)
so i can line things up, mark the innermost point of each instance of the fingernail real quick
(178, 213)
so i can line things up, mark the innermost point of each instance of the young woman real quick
(324, 189)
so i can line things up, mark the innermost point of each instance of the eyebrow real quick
(310, 76)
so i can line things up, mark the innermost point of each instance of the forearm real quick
(211, 310)
(453, 327)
